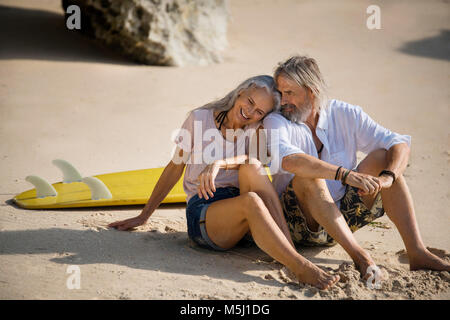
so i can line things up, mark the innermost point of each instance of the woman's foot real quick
(313, 275)
(425, 260)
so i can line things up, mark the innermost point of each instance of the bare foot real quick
(362, 262)
(313, 275)
(425, 260)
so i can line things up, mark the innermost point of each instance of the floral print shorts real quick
(353, 209)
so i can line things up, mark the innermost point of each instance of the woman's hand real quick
(128, 223)
(206, 180)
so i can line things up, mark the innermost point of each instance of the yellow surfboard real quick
(112, 189)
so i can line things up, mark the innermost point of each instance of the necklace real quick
(220, 119)
(320, 150)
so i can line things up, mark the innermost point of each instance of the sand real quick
(62, 96)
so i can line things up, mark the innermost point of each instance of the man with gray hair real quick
(325, 195)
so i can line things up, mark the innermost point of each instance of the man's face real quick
(295, 100)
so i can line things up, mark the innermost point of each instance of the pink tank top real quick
(200, 138)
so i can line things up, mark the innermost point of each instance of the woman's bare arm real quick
(206, 178)
(233, 163)
(170, 176)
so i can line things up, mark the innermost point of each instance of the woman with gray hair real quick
(229, 195)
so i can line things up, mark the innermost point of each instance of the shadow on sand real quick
(163, 206)
(156, 251)
(42, 35)
(152, 250)
(436, 47)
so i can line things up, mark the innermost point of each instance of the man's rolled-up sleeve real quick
(279, 144)
(371, 136)
(286, 148)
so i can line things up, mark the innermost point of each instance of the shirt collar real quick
(323, 119)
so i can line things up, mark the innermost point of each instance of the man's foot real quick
(313, 275)
(425, 260)
(362, 264)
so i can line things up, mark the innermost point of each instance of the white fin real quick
(98, 189)
(70, 174)
(43, 188)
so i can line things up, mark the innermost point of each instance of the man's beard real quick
(298, 115)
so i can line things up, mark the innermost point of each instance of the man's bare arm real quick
(397, 158)
(306, 166)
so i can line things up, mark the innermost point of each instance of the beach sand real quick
(63, 96)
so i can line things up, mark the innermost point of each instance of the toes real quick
(329, 282)
(333, 280)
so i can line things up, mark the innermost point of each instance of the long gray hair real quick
(262, 81)
(306, 73)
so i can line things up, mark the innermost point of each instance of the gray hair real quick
(305, 72)
(262, 81)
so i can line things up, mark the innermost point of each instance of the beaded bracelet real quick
(344, 177)
(337, 173)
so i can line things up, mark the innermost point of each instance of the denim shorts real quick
(196, 216)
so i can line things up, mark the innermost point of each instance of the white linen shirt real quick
(343, 129)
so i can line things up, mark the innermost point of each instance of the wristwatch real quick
(388, 173)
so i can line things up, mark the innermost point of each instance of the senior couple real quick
(319, 194)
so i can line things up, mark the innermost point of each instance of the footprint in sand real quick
(94, 224)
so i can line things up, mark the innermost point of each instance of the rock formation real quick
(157, 32)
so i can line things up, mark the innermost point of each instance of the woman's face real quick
(251, 106)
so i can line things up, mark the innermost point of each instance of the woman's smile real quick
(244, 116)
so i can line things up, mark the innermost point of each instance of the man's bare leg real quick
(317, 205)
(398, 204)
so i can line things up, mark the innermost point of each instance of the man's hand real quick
(128, 224)
(386, 181)
(366, 183)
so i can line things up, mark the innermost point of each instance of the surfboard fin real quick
(43, 187)
(70, 174)
(98, 189)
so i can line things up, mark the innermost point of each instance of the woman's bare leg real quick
(227, 221)
(252, 177)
